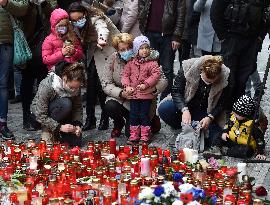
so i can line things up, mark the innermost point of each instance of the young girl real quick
(139, 77)
(57, 105)
(62, 44)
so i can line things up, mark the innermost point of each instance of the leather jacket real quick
(173, 22)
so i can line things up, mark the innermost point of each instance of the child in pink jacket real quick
(139, 77)
(62, 44)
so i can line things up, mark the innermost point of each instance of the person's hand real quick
(65, 51)
(125, 95)
(129, 90)
(101, 43)
(71, 49)
(186, 117)
(224, 136)
(175, 45)
(78, 131)
(141, 87)
(3, 2)
(260, 157)
(67, 128)
(205, 122)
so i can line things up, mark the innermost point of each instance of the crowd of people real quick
(123, 52)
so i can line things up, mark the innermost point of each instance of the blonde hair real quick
(122, 38)
(212, 66)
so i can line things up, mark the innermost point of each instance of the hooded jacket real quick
(52, 45)
(136, 72)
(49, 89)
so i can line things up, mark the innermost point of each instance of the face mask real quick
(62, 30)
(68, 89)
(126, 55)
(80, 23)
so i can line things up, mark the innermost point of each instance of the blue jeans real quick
(139, 112)
(17, 80)
(170, 115)
(6, 64)
(163, 44)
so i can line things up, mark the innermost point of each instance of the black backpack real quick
(245, 16)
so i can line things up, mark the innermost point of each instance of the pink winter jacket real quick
(136, 73)
(52, 45)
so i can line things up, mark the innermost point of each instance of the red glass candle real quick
(112, 145)
(135, 150)
(230, 198)
(145, 150)
(181, 155)
(167, 153)
(127, 150)
(13, 198)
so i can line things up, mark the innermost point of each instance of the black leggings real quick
(94, 91)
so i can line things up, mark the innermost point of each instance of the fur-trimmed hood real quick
(192, 70)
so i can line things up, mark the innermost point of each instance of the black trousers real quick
(240, 55)
(35, 71)
(118, 113)
(61, 110)
(94, 91)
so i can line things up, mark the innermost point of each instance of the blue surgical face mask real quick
(126, 55)
(62, 30)
(80, 23)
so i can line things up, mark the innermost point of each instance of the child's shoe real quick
(134, 134)
(145, 133)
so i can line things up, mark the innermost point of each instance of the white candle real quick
(191, 155)
(145, 166)
(33, 162)
(242, 170)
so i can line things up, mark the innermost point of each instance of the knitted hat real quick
(244, 106)
(138, 42)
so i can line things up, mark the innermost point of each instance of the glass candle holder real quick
(33, 162)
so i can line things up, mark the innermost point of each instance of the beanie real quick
(138, 42)
(244, 106)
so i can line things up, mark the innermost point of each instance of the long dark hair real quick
(87, 10)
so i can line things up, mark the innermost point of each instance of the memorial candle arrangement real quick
(104, 174)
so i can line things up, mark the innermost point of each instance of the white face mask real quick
(207, 83)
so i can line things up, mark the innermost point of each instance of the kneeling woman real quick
(199, 93)
(57, 105)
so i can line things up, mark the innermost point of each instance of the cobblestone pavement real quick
(165, 138)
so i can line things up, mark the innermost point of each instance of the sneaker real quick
(6, 134)
(213, 152)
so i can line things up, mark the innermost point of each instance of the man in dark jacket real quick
(241, 28)
(163, 21)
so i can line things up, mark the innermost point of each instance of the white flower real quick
(177, 202)
(156, 199)
(194, 203)
(147, 193)
(168, 187)
(184, 188)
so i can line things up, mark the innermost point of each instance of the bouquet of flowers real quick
(170, 194)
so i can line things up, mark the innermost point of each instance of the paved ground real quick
(165, 138)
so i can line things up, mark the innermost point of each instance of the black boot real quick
(90, 124)
(104, 122)
(27, 122)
